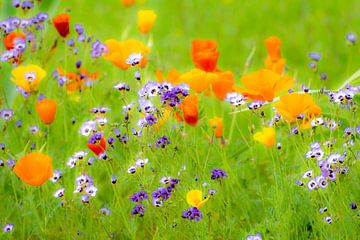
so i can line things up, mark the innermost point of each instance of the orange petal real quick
(46, 110)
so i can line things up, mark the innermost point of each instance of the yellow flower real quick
(216, 124)
(266, 136)
(195, 198)
(145, 20)
(28, 77)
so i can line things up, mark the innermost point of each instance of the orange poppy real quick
(119, 51)
(46, 109)
(172, 77)
(266, 136)
(61, 24)
(97, 148)
(34, 168)
(274, 62)
(145, 20)
(219, 82)
(264, 85)
(127, 3)
(9, 39)
(293, 106)
(204, 54)
(216, 124)
(189, 108)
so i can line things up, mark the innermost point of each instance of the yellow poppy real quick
(266, 136)
(28, 77)
(195, 198)
(145, 20)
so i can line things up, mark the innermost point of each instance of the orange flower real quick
(34, 168)
(293, 106)
(264, 85)
(127, 3)
(119, 51)
(216, 124)
(46, 109)
(173, 76)
(274, 62)
(204, 54)
(145, 20)
(219, 82)
(97, 148)
(77, 81)
(266, 136)
(9, 39)
(61, 23)
(189, 108)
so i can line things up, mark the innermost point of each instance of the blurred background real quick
(238, 26)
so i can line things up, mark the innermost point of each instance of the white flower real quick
(87, 127)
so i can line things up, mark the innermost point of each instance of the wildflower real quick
(105, 211)
(257, 236)
(8, 227)
(162, 142)
(57, 176)
(97, 143)
(192, 214)
(46, 109)
(85, 198)
(134, 59)
(353, 206)
(91, 190)
(61, 24)
(139, 209)
(113, 179)
(172, 77)
(10, 163)
(10, 40)
(119, 51)
(218, 173)
(59, 193)
(122, 87)
(140, 162)
(315, 56)
(327, 220)
(204, 54)
(264, 85)
(292, 105)
(274, 62)
(308, 174)
(235, 99)
(6, 114)
(218, 83)
(87, 128)
(195, 198)
(34, 168)
(312, 184)
(131, 169)
(145, 20)
(127, 3)
(139, 196)
(34, 129)
(351, 37)
(216, 124)
(189, 108)
(28, 77)
(266, 136)
(98, 49)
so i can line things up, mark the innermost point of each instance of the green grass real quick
(259, 194)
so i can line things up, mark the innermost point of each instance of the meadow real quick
(181, 119)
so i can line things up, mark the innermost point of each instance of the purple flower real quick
(151, 119)
(139, 196)
(314, 56)
(79, 29)
(162, 142)
(6, 114)
(192, 214)
(255, 105)
(70, 42)
(15, 3)
(8, 227)
(10, 163)
(172, 97)
(351, 37)
(139, 209)
(218, 173)
(26, 5)
(42, 16)
(98, 49)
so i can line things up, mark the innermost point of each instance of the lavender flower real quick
(218, 173)
(139, 196)
(98, 49)
(192, 214)
(351, 37)
(315, 56)
(162, 142)
(139, 209)
(8, 227)
(6, 114)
